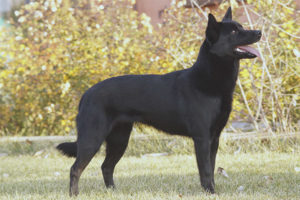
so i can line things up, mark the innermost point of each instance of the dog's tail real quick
(68, 148)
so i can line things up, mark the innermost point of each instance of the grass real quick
(152, 141)
(267, 175)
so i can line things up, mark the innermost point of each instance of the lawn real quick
(256, 176)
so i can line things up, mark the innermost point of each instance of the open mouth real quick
(247, 51)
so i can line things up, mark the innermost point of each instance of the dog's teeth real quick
(240, 50)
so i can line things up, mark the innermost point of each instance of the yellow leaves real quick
(21, 69)
(165, 65)
(234, 3)
(146, 21)
(283, 35)
(126, 41)
(170, 69)
(289, 25)
(67, 129)
(4, 74)
(65, 88)
(121, 49)
(244, 73)
(22, 19)
(78, 50)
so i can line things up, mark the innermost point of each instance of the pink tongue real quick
(250, 50)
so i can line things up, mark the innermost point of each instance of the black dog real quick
(194, 102)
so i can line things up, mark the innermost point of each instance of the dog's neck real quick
(225, 62)
(219, 72)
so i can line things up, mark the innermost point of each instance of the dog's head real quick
(229, 39)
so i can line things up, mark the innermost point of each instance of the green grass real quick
(168, 177)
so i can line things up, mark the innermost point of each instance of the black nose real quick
(258, 33)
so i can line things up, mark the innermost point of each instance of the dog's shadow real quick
(187, 184)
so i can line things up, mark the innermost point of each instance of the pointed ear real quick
(228, 15)
(213, 29)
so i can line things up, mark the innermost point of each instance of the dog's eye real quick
(233, 32)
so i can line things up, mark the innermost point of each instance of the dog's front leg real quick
(203, 150)
(213, 154)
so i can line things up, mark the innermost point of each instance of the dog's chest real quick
(213, 107)
(210, 111)
(222, 116)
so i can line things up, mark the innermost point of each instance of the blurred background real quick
(51, 51)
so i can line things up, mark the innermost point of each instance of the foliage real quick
(57, 52)
(267, 93)
(272, 87)
(54, 51)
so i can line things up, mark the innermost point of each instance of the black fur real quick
(68, 148)
(194, 102)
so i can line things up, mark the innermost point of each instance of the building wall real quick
(7, 5)
(154, 8)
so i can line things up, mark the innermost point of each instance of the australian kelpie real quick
(194, 102)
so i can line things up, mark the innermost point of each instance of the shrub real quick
(267, 93)
(56, 52)
(52, 53)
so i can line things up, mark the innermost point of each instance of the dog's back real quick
(156, 100)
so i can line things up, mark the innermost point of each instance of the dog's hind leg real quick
(92, 131)
(116, 144)
(85, 153)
